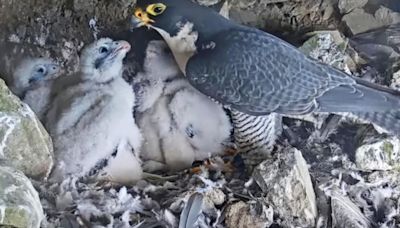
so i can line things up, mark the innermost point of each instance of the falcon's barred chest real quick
(256, 133)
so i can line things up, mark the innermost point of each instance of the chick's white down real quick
(179, 124)
(91, 120)
(32, 81)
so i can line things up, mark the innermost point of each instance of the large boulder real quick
(19, 201)
(24, 143)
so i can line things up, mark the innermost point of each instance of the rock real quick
(285, 17)
(24, 143)
(379, 48)
(387, 16)
(215, 196)
(239, 215)
(212, 198)
(345, 213)
(345, 6)
(19, 201)
(381, 155)
(395, 83)
(330, 48)
(359, 21)
(287, 184)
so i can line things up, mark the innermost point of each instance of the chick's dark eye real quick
(103, 50)
(40, 70)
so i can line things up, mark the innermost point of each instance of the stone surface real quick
(213, 197)
(359, 20)
(345, 213)
(286, 18)
(395, 83)
(380, 49)
(61, 27)
(328, 47)
(381, 155)
(239, 215)
(287, 185)
(345, 6)
(24, 143)
(19, 202)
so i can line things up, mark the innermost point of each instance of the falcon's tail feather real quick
(367, 101)
(361, 97)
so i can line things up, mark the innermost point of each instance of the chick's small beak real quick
(122, 45)
(140, 18)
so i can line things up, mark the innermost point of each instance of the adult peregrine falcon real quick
(257, 73)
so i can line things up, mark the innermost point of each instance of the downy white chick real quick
(179, 124)
(91, 119)
(32, 82)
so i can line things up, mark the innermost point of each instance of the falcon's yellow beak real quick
(140, 18)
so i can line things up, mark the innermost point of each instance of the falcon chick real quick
(179, 124)
(32, 82)
(257, 73)
(91, 119)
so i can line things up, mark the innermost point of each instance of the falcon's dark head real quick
(185, 26)
(169, 16)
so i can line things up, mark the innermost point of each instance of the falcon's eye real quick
(103, 50)
(156, 9)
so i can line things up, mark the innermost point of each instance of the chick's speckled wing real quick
(258, 73)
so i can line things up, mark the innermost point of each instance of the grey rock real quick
(212, 198)
(345, 6)
(387, 16)
(19, 202)
(381, 155)
(328, 47)
(285, 17)
(359, 21)
(24, 143)
(380, 48)
(345, 213)
(287, 184)
(395, 83)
